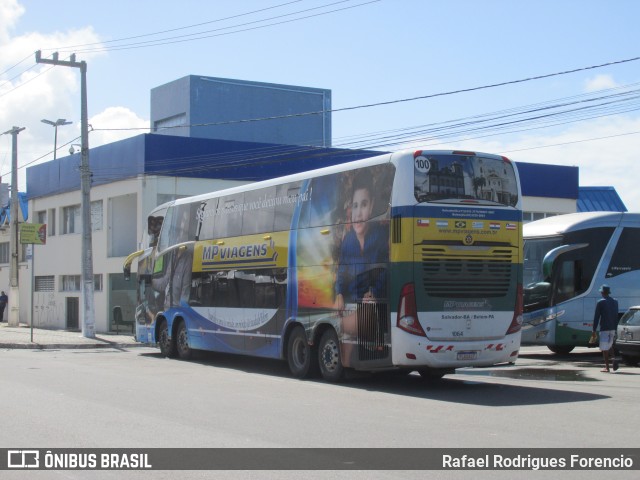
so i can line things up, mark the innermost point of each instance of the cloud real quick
(599, 82)
(30, 92)
(117, 118)
(10, 12)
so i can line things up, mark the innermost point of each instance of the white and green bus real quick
(410, 260)
(566, 260)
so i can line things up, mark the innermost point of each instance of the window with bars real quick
(44, 283)
(4, 252)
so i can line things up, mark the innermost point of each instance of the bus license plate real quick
(467, 355)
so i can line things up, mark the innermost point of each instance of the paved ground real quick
(24, 337)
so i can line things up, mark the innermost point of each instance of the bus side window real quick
(229, 222)
(154, 225)
(285, 207)
(625, 258)
(570, 280)
(259, 211)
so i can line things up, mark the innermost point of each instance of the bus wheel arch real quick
(166, 342)
(301, 356)
(181, 335)
(329, 355)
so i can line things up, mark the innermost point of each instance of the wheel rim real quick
(183, 344)
(299, 353)
(164, 338)
(330, 356)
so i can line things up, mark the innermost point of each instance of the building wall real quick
(536, 208)
(210, 107)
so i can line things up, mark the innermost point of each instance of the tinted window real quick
(625, 257)
(574, 270)
(259, 210)
(287, 199)
(263, 288)
(228, 222)
(450, 178)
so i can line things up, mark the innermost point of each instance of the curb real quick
(59, 346)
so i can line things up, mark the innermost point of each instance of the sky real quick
(550, 82)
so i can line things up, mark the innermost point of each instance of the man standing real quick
(607, 315)
(3, 303)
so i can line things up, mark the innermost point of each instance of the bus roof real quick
(578, 221)
(375, 160)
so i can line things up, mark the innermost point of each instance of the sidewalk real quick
(20, 337)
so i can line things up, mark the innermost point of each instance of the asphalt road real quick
(111, 398)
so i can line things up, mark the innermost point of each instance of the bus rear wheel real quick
(432, 375)
(329, 356)
(561, 349)
(301, 356)
(165, 342)
(182, 342)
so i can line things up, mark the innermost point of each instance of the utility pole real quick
(88, 323)
(13, 318)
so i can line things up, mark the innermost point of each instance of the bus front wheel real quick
(182, 342)
(166, 343)
(329, 356)
(301, 357)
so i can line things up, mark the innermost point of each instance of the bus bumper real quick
(420, 352)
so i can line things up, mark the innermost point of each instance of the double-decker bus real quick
(410, 260)
(566, 260)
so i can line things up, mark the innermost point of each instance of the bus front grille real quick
(467, 273)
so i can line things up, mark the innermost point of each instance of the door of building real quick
(73, 313)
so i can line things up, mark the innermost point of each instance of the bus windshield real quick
(537, 284)
(447, 178)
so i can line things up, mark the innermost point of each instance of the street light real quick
(58, 123)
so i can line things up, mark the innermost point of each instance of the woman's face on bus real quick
(361, 208)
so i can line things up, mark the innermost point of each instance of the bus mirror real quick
(552, 256)
(126, 268)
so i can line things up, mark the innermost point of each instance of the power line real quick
(162, 42)
(390, 102)
(14, 66)
(436, 131)
(575, 141)
(202, 36)
(174, 29)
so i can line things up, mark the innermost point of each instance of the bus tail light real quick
(408, 311)
(516, 323)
